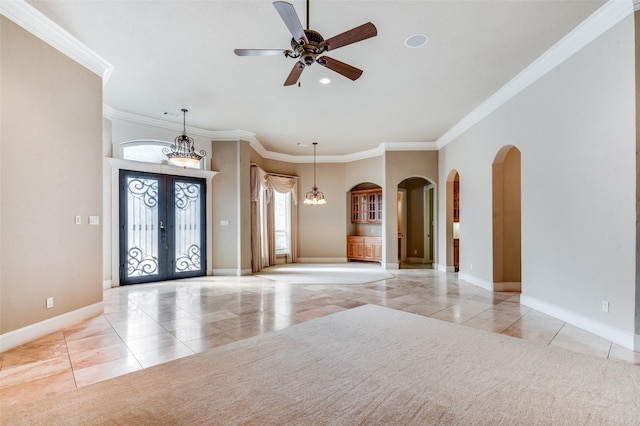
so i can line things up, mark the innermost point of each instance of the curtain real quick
(256, 226)
(267, 183)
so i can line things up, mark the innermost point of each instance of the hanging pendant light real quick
(314, 196)
(182, 153)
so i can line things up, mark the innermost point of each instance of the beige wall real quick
(51, 171)
(322, 228)
(576, 130)
(231, 214)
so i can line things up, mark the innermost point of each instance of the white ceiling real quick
(168, 55)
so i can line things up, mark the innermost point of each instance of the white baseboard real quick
(106, 284)
(392, 265)
(231, 272)
(605, 331)
(34, 331)
(475, 281)
(507, 286)
(322, 260)
(444, 268)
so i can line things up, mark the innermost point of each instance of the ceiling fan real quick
(307, 45)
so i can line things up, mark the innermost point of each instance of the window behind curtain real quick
(282, 221)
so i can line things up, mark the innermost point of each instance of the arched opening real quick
(364, 230)
(453, 221)
(507, 262)
(416, 238)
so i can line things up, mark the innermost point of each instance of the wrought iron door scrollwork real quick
(189, 261)
(186, 192)
(146, 189)
(140, 264)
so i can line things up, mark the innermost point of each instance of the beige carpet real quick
(335, 273)
(369, 365)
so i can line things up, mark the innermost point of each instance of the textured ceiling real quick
(169, 55)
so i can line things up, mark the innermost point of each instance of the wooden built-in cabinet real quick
(364, 248)
(366, 206)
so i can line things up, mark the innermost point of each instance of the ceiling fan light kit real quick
(308, 45)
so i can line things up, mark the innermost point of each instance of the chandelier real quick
(314, 196)
(182, 153)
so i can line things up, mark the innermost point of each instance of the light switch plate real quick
(94, 220)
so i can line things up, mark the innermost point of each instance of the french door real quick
(162, 227)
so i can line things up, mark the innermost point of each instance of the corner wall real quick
(231, 214)
(575, 128)
(50, 171)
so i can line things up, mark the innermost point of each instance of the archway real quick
(416, 237)
(453, 221)
(507, 262)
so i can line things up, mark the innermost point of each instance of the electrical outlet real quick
(49, 302)
(605, 306)
(415, 252)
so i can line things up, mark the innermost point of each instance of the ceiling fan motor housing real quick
(308, 51)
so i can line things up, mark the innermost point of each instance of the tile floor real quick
(149, 324)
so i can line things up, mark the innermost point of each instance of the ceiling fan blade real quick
(294, 75)
(354, 35)
(346, 70)
(291, 20)
(258, 52)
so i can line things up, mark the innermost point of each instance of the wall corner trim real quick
(598, 328)
(608, 15)
(32, 20)
(34, 331)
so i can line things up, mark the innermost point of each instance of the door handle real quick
(163, 238)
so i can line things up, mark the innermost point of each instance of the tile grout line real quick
(66, 348)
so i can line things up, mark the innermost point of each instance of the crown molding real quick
(636, 5)
(215, 135)
(32, 20)
(600, 21)
(238, 135)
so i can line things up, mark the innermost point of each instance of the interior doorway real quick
(416, 223)
(507, 258)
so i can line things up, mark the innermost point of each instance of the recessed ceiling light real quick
(416, 40)
(325, 80)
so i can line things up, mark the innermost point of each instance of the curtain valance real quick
(272, 182)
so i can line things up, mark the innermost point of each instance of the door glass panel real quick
(142, 227)
(187, 199)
